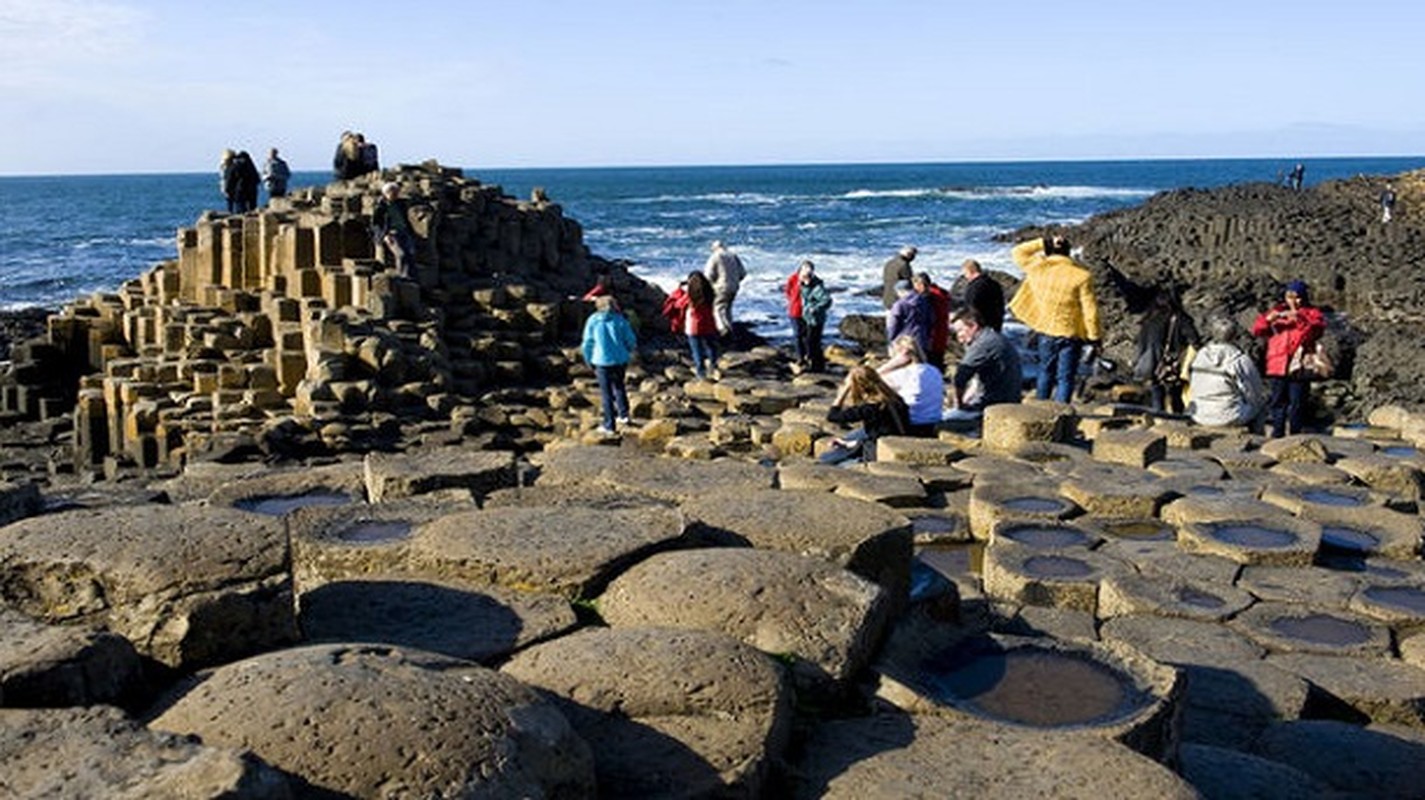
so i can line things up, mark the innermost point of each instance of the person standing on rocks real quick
(937, 303)
(346, 163)
(391, 229)
(608, 346)
(1166, 334)
(1290, 327)
(1225, 386)
(1387, 203)
(807, 303)
(725, 272)
(1298, 173)
(228, 180)
(895, 270)
(691, 309)
(275, 174)
(983, 294)
(909, 316)
(1056, 300)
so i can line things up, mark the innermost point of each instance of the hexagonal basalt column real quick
(1399, 605)
(1112, 691)
(999, 502)
(1297, 499)
(1009, 426)
(1127, 593)
(1120, 499)
(1056, 578)
(1287, 628)
(1043, 535)
(1278, 539)
(1132, 448)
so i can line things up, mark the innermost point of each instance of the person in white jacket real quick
(725, 271)
(1225, 386)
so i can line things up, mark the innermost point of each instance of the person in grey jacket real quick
(275, 174)
(725, 272)
(1224, 384)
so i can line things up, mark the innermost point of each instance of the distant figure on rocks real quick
(691, 308)
(1056, 300)
(1225, 385)
(1387, 203)
(725, 272)
(1166, 333)
(1296, 175)
(227, 180)
(347, 162)
(1290, 327)
(275, 174)
(608, 345)
(989, 372)
(367, 155)
(240, 180)
(920, 384)
(909, 316)
(863, 397)
(391, 229)
(983, 294)
(807, 303)
(894, 271)
(938, 305)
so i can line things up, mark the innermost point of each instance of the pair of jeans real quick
(1058, 366)
(704, 349)
(612, 392)
(1285, 404)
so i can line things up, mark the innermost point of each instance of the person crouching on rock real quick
(865, 398)
(1289, 326)
(1225, 386)
(608, 346)
(391, 228)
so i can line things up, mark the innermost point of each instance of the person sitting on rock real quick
(919, 384)
(1224, 384)
(989, 372)
(863, 397)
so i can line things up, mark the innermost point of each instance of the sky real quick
(137, 86)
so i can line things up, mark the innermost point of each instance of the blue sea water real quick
(62, 237)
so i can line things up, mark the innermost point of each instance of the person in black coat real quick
(865, 398)
(247, 180)
(1166, 333)
(983, 294)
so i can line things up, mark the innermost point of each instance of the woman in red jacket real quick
(1288, 326)
(694, 303)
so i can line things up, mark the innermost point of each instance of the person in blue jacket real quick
(608, 345)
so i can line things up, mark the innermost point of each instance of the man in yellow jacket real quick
(1056, 300)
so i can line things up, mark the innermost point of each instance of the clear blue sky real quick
(163, 85)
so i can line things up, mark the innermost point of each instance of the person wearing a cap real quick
(1056, 300)
(1288, 326)
(725, 272)
(391, 229)
(896, 269)
(909, 316)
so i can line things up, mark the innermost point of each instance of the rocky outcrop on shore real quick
(1233, 249)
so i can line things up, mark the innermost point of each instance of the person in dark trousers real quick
(276, 174)
(1387, 203)
(983, 294)
(248, 181)
(807, 303)
(608, 345)
(1289, 327)
(909, 316)
(228, 181)
(1298, 173)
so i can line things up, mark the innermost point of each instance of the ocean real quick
(63, 237)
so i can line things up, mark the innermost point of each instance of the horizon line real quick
(775, 164)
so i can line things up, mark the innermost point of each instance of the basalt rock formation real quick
(282, 330)
(1233, 249)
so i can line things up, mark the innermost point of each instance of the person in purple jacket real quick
(909, 316)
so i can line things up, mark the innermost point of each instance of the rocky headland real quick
(301, 528)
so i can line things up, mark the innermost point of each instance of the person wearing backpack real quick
(275, 174)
